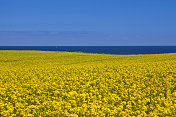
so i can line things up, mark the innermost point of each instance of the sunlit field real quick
(41, 83)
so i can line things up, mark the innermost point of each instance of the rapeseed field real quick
(70, 84)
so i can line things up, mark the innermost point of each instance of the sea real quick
(119, 50)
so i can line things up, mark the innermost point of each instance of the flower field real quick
(41, 83)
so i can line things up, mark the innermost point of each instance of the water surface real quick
(120, 50)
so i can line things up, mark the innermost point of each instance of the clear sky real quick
(87, 22)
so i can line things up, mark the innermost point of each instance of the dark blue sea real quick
(120, 50)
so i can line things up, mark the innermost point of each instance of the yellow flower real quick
(41, 83)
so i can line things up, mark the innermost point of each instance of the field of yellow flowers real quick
(41, 83)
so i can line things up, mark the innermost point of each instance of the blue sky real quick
(87, 22)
